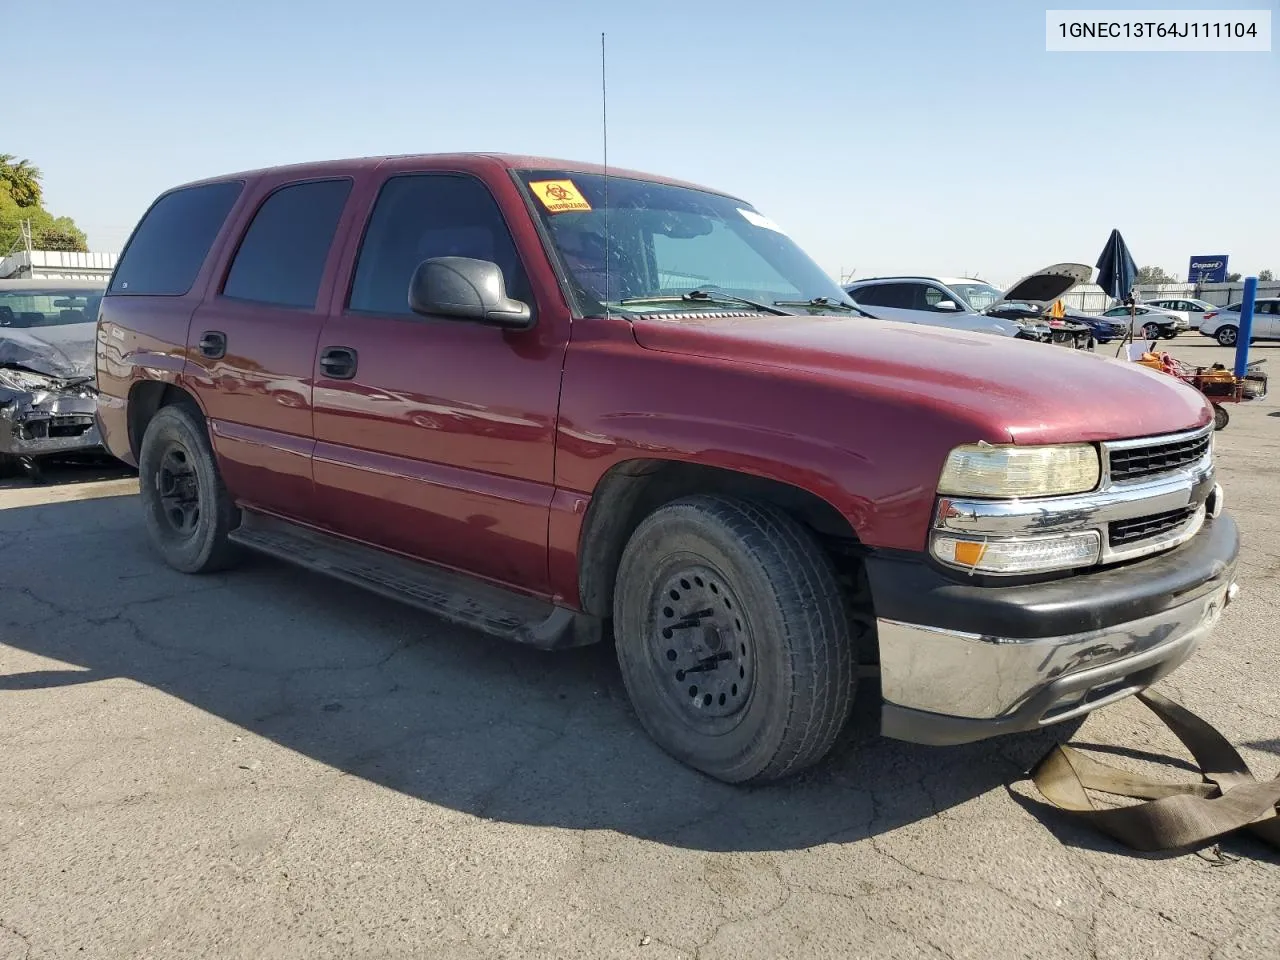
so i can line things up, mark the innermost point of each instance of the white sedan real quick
(1151, 323)
(1194, 310)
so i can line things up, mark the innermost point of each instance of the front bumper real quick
(49, 424)
(960, 662)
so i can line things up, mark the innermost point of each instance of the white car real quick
(1224, 326)
(960, 303)
(1193, 310)
(1148, 322)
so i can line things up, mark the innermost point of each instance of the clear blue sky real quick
(899, 135)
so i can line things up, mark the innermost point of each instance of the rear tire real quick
(187, 510)
(1151, 331)
(1227, 336)
(733, 638)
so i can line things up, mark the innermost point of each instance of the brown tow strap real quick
(1177, 815)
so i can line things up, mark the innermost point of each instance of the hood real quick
(64, 352)
(1030, 392)
(1047, 285)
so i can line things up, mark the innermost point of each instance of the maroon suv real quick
(560, 406)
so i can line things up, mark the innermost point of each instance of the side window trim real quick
(229, 259)
(341, 302)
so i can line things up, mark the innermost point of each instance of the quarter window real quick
(281, 258)
(170, 244)
(419, 216)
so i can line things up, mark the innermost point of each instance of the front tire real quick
(187, 510)
(1227, 336)
(1151, 331)
(733, 638)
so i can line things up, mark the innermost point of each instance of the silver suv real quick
(961, 303)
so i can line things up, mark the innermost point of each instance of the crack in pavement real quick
(26, 941)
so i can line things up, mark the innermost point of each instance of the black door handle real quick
(338, 363)
(213, 344)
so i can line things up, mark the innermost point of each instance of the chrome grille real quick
(1121, 532)
(1142, 461)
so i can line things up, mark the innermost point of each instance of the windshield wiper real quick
(825, 302)
(707, 296)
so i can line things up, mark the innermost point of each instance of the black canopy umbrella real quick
(1117, 271)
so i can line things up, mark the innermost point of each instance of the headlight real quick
(980, 470)
(1023, 555)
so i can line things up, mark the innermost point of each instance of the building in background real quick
(57, 265)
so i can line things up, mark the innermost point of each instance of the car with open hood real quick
(967, 303)
(565, 405)
(47, 396)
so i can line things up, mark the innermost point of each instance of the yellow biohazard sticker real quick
(559, 196)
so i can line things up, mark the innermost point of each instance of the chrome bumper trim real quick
(980, 677)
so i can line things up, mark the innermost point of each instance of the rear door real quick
(252, 342)
(1266, 320)
(435, 437)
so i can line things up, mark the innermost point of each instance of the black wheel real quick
(1220, 417)
(1151, 331)
(733, 639)
(187, 510)
(1227, 336)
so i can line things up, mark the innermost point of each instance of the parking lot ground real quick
(266, 763)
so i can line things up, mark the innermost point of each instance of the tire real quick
(1151, 331)
(187, 510)
(1220, 417)
(1226, 336)
(754, 607)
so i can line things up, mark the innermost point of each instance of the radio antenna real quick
(604, 134)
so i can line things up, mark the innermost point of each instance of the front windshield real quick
(979, 296)
(667, 241)
(48, 308)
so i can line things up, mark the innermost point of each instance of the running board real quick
(451, 596)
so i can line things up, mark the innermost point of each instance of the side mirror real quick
(946, 305)
(465, 289)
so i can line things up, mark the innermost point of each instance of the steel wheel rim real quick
(701, 647)
(177, 488)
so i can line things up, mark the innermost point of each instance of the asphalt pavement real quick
(266, 763)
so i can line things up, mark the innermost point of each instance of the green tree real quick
(1266, 276)
(21, 180)
(20, 199)
(1233, 278)
(1153, 275)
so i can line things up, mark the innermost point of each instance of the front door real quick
(435, 437)
(251, 343)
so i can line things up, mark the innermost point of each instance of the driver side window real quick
(420, 216)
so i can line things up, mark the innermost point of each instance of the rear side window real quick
(901, 295)
(419, 216)
(173, 239)
(282, 255)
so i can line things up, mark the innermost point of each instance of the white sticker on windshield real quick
(760, 221)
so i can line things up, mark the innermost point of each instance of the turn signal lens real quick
(1027, 555)
(983, 470)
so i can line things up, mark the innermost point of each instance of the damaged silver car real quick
(47, 397)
